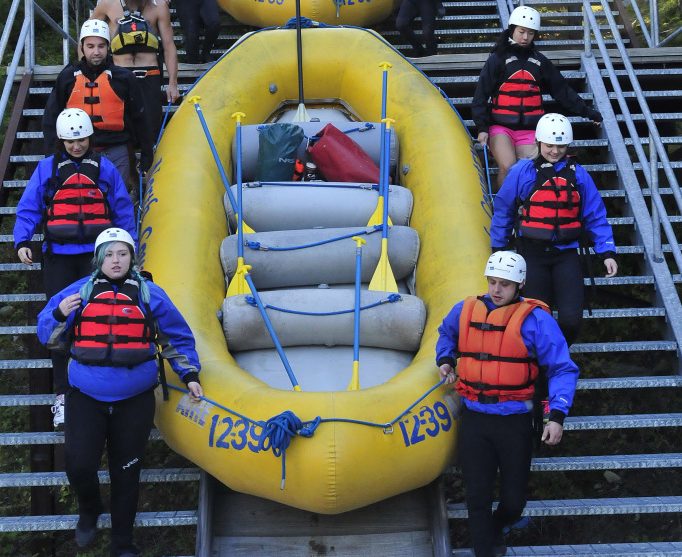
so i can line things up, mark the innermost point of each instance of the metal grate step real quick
(589, 507)
(38, 479)
(9, 298)
(19, 330)
(647, 549)
(26, 364)
(650, 382)
(68, 522)
(631, 346)
(606, 462)
(19, 266)
(47, 438)
(620, 313)
(622, 421)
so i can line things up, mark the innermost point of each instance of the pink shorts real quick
(518, 137)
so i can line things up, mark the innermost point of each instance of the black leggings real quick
(556, 277)
(151, 97)
(124, 427)
(488, 443)
(59, 271)
(191, 14)
(409, 10)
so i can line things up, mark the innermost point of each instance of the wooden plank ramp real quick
(402, 526)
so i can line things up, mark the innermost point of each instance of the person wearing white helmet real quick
(114, 323)
(142, 41)
(72, 196)
(494, 348)
(507, 103)
(549, 207)
(109, 94)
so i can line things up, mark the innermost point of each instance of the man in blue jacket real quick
(503, 343)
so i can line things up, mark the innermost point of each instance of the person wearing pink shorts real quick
(507, 104)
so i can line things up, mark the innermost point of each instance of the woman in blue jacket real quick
(550, 203)
(71, 197)
(113, 322)
(498, 343)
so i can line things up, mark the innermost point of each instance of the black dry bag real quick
(277, 145)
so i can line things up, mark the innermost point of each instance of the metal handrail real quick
(652, 37)
(8, 27)
(12, 70)
(26, 42)
(655, 143)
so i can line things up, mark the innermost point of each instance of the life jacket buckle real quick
(488, 399)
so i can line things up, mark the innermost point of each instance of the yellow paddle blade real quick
(301, 114)
(354, 384)
(383, 279)
(246, 229)
(238, 284)
(377, 217)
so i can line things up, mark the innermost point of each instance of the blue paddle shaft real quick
(216, 158)
(356, 323)
(271, 330)
(385, 158)
(240, 232)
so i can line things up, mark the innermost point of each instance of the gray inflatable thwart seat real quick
(396, 326)
(332, 263)
(271, 207)
(369, 140)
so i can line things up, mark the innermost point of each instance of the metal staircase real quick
(618, 467)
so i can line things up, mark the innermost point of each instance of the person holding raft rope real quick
(553, 207)
(113, 321)
(507, 103)
(71, 197)
(492, 347)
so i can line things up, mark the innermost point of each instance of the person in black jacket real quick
(507, 104)
(111, 97)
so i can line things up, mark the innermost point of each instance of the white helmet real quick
(114, 235)
(74, 123)
(95, 28)
(554, 129)
(525, 16)
(506, 265)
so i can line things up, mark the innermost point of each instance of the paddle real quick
(378, 214)
(226, 183)
(244, 272)
(383, 278)
(238, 283)
(355, 378)
(301, 112)
(491, 196)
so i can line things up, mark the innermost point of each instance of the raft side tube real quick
(398, 325)
(330, 263)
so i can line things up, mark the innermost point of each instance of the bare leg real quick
(502, 148)
(529, 151)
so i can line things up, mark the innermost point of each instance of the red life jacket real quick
(494, 364)
(100, 101)
(518, 102)
(112, 329)
(552, 211)
(76, 208)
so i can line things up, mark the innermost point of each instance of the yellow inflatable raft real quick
(264, 13)
(351, 460)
